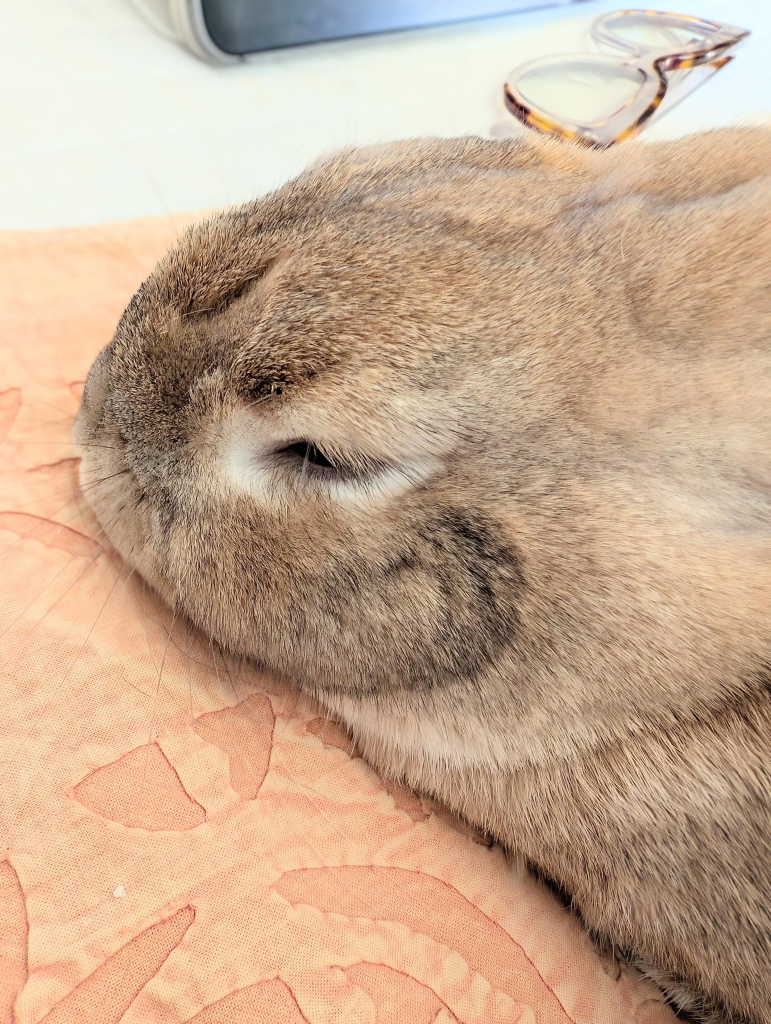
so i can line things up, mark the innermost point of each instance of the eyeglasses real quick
(599, 99)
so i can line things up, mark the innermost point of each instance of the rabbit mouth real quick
(120, 506)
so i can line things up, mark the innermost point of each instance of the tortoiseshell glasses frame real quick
(662, 74)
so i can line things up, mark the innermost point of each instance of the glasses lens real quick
(580, 91)
(649, 32)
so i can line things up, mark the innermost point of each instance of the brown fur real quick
(537, 584)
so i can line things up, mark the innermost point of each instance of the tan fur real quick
(537, 585)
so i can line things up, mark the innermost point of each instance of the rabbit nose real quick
(92, 402)
(95, 390)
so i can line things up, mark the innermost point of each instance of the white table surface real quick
(102, 119)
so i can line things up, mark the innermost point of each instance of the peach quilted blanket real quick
(181, 839)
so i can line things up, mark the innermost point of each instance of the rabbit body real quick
(471, 439)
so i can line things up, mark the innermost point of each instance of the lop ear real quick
(694, 167)
(692, 265)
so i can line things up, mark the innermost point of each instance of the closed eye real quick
(308, 454)
(307, 458)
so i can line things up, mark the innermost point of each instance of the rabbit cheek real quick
(440, 606)
(476, 582)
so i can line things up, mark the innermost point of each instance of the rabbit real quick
(472, 441)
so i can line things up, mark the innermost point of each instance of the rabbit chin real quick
(392, 739)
